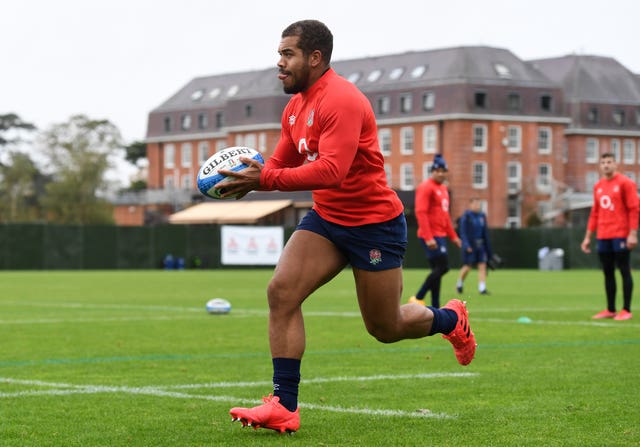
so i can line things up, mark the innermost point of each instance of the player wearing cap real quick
(434, 226)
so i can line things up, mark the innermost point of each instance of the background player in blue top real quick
(476, 249)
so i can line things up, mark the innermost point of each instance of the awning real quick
(229, 212)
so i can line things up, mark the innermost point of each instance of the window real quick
(167, 124)
(418, 71)
(592, 150)
(514, 216)
(186, 181)
(384, 138)
(479, 174)
(544, 179)
(186, 153)
(185, 122)
(169, 156)
(593, 115)
(387, 171)
(353, 77)
(250, 140)
(262, 142)
(219, 120)
(429, 139)
(214, 93)
(514, 177)
(544, 140)
(384, 105)
(220, 144)
(203, 120)
(428, 101)
(637, 117)
(197, 95)
(513, 101)
(514, 139)
(168, 182)
(374, 75)
(590, 179)
(629, 151)
(546, 103)
(233, 91)
(426, 170)
(248, 111)
(502, 70)
(406, 176)
(396, 73)
(406, 140)
(618, 117)
(480, 100)
(406, 103)
(615, 149)
(203, 152)
(479, 138)
(239, 140)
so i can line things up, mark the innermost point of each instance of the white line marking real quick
(327, 380)
(65, 389)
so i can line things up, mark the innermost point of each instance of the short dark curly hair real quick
(314, 35)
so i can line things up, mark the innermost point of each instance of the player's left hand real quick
(632, 240)
(243, 182)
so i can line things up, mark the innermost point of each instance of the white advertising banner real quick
(246, 245)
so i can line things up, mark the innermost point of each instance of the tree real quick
(136, 151)
(78, 153)
(21, 185)
(20, 180)
(10, 122)
(136, 154)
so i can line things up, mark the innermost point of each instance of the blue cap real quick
(439, 163)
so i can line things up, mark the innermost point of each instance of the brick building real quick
(523, 136)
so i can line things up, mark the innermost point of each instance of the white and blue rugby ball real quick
(228, 159)
(218, 306)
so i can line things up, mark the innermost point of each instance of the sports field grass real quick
(130, 358)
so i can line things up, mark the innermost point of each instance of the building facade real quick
(523, 136)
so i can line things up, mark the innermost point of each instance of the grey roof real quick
(592, 78)
(471, 64)
(216, 90)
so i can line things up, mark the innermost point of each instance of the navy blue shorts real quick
(440, 250)
(477, 256)
(615, 245)
(370, 247)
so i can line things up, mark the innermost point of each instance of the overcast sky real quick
(119, 59)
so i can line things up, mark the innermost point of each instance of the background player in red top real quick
(615, 216)
(329, 144)
(434, 226)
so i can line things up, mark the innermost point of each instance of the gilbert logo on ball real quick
(227, 159)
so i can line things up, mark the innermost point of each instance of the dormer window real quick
(502, 70)
(396, 73)
(374, 75)
(197, 95)
(353, 77)
(418, 71)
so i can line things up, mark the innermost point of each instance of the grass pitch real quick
(131, 358)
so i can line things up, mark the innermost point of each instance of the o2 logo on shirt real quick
(606, 203)
(304, 149)
(445, 205)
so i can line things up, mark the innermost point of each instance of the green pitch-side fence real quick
(48, 247)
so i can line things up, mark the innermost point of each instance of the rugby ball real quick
(218, 306)
(228, 159)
